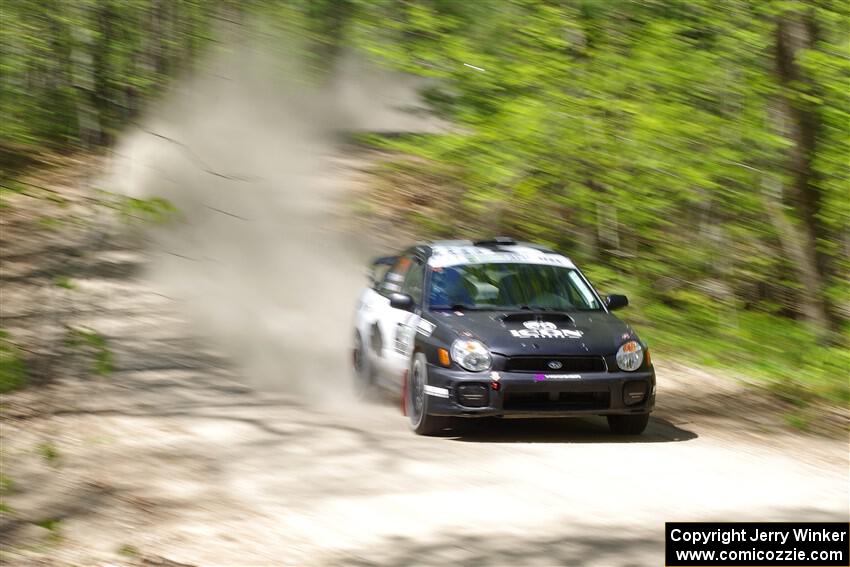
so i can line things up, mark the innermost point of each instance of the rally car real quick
(462, 329)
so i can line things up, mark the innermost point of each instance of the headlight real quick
(471, 355)
(630, 356)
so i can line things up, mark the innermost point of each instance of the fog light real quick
(473, 395)
(634, 392)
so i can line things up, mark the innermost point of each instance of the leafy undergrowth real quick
(95, 346)
(775, 352)
(13, 373)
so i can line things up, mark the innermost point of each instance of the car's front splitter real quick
(526, 394)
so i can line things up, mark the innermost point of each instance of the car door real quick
(397, 327)
(386, 329)
(402, 324)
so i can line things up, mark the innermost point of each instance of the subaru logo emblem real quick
(554, 364)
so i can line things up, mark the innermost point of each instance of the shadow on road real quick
(584, 430)
(593, 547)
(581, 544)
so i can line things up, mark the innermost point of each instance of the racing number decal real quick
(405, 332)
(404, 338)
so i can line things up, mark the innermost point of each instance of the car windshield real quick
(510, 286)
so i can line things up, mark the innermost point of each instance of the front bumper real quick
(525, 394)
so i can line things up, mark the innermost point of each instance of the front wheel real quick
(628, 424)
(364, 382)
(417, 402)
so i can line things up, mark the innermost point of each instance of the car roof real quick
(443, 253)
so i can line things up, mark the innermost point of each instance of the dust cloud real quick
(262, 259)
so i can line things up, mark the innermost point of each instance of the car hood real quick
(541, 333)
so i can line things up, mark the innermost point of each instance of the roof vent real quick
(496, 241)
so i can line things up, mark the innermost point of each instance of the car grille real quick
(560, 401)
(568, 364)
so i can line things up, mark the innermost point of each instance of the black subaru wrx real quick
(462, 329)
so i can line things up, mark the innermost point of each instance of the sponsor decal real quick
(404, 338)
(542, 377)
(425, 328)
(545, 330)
(474, 255)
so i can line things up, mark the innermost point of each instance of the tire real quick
(421, 422)
(628, 424)
(364, 379)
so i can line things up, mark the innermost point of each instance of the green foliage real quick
(781, 354)
(660, 143)
(50, 223)
(64, 282)
(13, 372)
(74, 72)
(155, 210)
(6, 484)
(128, 550)
(52, 525)
(797, 420)
(5, 193)
(49, 453)
(638, 134)
(95, 345)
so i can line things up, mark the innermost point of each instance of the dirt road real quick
(226, 433)
(174, 457)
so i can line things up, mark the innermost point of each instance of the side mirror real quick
(384, 261)
(614, 302)
(379, 268)
(401, 301)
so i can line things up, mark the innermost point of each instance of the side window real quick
(588, 300)
(379, 272)
(413, 282)
(394, 278)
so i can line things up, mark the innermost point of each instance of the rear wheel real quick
(628, 424)
(417, 402)
(364, 382)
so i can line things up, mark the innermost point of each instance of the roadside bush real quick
(12, 368)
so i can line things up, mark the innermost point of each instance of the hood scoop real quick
(549, 317)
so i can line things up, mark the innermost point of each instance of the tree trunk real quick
(795, 245)
(799, 123)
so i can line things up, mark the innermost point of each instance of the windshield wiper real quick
(456, 307)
